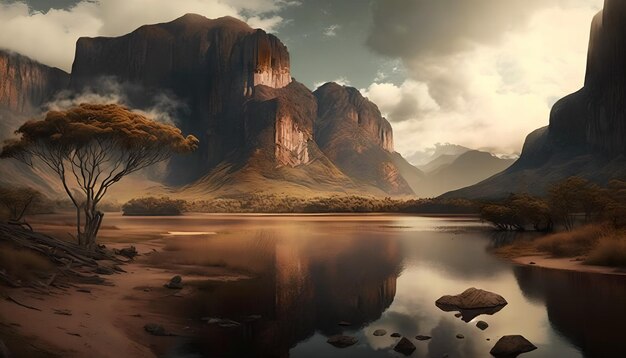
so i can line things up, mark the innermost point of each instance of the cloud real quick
(342, 81)
(481, 73)
(51, 37)
(331, 31)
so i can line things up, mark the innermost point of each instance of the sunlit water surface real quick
(308, 273)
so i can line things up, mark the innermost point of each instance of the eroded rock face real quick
(211, 66)
(351, 131)
(347, 103)
(26, 84)
(281, 121)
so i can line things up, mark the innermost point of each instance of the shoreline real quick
(102, 320)
(546, 261)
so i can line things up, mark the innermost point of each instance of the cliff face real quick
(352, 133)
(213, 66)
(281, 122)
(587, 132)
(26, 84)
(347, 105)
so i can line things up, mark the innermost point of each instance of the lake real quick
(305, 274)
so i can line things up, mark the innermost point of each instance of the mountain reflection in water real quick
(302, 275)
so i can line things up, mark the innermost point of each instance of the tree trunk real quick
(93, 221)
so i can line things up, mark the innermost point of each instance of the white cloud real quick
(342, 81)
(495, 94)
(51, 37)
(331, 31)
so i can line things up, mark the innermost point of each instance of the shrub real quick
(151, 206)
(610, 251)
(573, 243)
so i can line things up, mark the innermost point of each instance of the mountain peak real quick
(191, 20)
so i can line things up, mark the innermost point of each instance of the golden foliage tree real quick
(91, 147)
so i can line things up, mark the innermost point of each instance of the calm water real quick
(307, 273)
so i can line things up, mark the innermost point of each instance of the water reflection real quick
(588, 309)
(303, 275)
(300, 286)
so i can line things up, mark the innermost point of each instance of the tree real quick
(18, 200)
(567, 198)
(91, 147)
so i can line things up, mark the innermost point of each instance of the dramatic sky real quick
(479, 73)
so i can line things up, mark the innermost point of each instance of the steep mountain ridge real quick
(587, 132)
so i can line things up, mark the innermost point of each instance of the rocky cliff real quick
(26, 84)
(352, 133)
(587, 131)
(213, 66)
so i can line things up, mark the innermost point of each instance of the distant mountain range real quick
(587, 132)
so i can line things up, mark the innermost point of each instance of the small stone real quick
(380, 332)
(532, 263)
(512, 346)
(422, 338)
(482, 325)
(457, 315)
(176, 283)
(460, 336)
(156, 329)
(396, 335)
(340, 341)
(405, 347)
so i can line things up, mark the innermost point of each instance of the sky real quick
(479, 73)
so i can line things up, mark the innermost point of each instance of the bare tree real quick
(91, 147)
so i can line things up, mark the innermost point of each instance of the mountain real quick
(352, 133)
(439, 162)
(25, 85)
(587, 132)
(423, 157)
(230, 85)
(467, 169)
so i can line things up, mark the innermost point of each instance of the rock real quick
(532, 263)
(422, 338)
(380, 332)
(156, 330)
(458, 315)
(460, 336)
(482, 325)
(472, 298)
(341, 341)
(405, 347)
(128, 252)
(512, 346)
(396, 335)
(344, 323)
(26, 84)
(176, 283)
(472, 303)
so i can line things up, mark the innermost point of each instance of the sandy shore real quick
(99, 320)
(568, 264)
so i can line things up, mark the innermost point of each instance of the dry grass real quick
(610, 251)
(573, 243)
(23, 264)
(599, 244)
